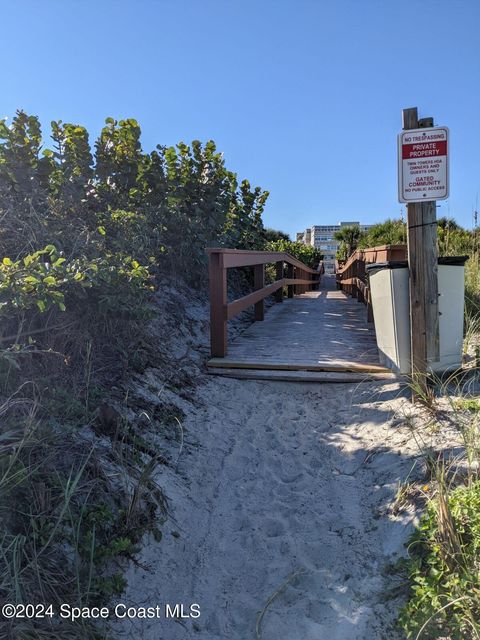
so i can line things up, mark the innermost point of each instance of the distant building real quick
(305, 236)
(322, 237)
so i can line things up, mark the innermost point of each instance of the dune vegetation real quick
(88, 235)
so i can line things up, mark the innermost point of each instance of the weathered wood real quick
(319, 330)
(360, 285)
(218, 303)
(279, 276)
(302, 278)
(354, 287)
(432, 321)
(259, 283)
(239, 305)
(300, 281)
(381, 253)
(230, 363)
(290, 276)
(410, 118)
(423, 278)
(301, 376)
(247, 258)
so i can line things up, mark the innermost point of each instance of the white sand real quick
(276, 478)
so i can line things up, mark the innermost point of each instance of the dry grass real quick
(444, 568)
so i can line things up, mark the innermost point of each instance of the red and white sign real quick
(423, 164)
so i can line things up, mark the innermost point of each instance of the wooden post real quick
(218, 306)
(290, 293)
(423, 274)
(361, 276)
(354, 270)
(259, 283)
(279, 276)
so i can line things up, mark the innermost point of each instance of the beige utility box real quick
(391, 312)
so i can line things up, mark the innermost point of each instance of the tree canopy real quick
(389, 232)
(349, 238)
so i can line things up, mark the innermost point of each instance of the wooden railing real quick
(297, 277)
(351, 276)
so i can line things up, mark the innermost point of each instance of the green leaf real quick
(49, 280)
(41, 305)
(101, 230)
(7, 262)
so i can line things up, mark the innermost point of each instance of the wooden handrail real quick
(351, 276)
(245, 258)
(298, 279)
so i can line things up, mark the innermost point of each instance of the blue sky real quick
(303, 97)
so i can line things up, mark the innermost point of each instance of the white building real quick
(322, 237)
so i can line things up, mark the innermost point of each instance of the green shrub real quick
(303, 252)
(472, 284)
(444, 568)
(388, 232)
(86, 236)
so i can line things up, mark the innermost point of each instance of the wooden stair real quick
(298, 372)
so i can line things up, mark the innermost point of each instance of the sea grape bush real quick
(445, 582)
(304, 252)
(87, 233)
(161, 207)
(91, 230)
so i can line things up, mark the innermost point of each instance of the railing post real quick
(354, 281)
(259, 283)
(290, 275)
(361, 276)
(279, 276)
(218, 306)
(296, 276)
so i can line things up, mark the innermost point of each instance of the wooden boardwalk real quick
(319, 335)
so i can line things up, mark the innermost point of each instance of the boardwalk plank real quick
(317, 331)
(301, 376)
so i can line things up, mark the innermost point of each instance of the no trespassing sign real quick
(423, 164)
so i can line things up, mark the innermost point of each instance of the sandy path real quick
(279, 478)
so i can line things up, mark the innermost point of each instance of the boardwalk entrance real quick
(319, 335)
